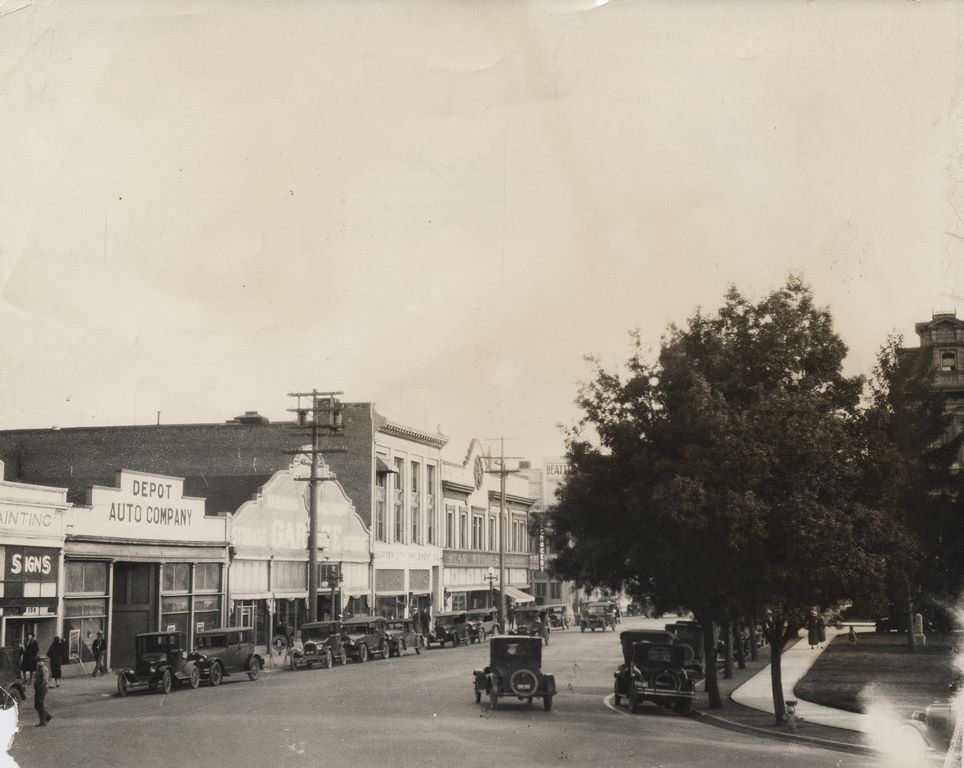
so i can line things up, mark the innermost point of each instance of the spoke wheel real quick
(121, 686)
(167, 682)
(195, 679)
(216, 675)
(254, 668)
(362, 653)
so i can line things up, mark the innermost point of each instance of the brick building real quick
(943, 335)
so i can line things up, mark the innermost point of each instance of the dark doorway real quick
(134, 608)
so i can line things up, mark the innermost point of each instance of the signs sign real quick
(29, 563)
(150, 507)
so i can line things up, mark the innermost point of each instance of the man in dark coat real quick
(57, 655)
(40, 683)
(30, 652)
(99, 649)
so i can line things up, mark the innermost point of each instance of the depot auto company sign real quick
(149, 507)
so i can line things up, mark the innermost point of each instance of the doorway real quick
(134, 608)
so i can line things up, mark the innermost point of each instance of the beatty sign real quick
(150, 507)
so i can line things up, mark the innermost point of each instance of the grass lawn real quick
(908, 680)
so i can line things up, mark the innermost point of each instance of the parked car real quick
(365, 637)
(10, 704)
(10, 674)
(161, 661)
(483, 623)
(558, 616)
(627, 639)
(515, 669)
(597, 615)
(318, 643)
(220, 653)
(658, 673)
(450, 627)
(531, 620)
(690, 633)
(402, 636)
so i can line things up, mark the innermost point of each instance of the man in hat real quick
(41, 680)
(99, 649)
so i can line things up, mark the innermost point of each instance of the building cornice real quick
(437, 441)
(512, 498)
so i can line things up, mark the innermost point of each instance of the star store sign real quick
(151, 507)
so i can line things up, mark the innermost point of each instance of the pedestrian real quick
(812, 634)
(851, 635)
(99, 649)
(821, 631)
(40, 684)
(57, 655)
(31, 650)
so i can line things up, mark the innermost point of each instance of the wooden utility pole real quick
(502, 472)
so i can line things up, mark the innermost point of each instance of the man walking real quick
(41, 680)
(99, 649)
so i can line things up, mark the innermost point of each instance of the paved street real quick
(413, 711)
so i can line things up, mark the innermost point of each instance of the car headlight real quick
(153, 668)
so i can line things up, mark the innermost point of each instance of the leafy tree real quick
(726, 475)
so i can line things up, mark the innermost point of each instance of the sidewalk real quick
(748, 704)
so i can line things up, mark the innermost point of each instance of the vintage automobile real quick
(657, 673)
(219, 653)
(450, 627)
(515, 669)
(318, 643)
(10, 674)
(597, 615)
(365, 637)
(531, 620)
(558, 615)
(483, 623)
(627, 639)
(402, 636)
(10, 705)
(162, 660)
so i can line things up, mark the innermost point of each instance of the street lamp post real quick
(490, 577)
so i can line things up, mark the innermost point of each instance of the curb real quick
(732, 725)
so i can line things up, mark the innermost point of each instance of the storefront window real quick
(207, 612)
(174, 614)
(207, 577)
(88, 578)
(288, 575)
(177, 577)
(88, 617)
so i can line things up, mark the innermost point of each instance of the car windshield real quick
(317, 633)
(448, 621)
(158, 643)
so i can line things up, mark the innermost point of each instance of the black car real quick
(657, 673)
(162, 661)
(10, 674)
(483, 623)
(515, 669)
(531, 621)
(365, 637)
(220, 653)
(451, 628)
(318, 643)
(402, 636)
(627, 640)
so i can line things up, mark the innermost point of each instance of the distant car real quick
(531, 621)
(657, 673)
(483, 623)
(318, 643)
(220, 653)
(365, 637)
(558, 616)
(597, 615)
(515, 669)
(450, 627)
(10, 674)
(162, 661)
(402, 636)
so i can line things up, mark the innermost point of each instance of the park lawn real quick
(908, 680)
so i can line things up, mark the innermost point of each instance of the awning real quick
(518, 595)
(381, 468)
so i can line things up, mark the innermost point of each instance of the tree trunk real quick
(754, 655)
(740, 651)
(726, 629)
(776, 673)
(709, 654)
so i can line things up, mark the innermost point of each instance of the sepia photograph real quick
(431, 383)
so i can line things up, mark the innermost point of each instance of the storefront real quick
(31, 558)
(405, 579)
(268, 577)
(141, 557)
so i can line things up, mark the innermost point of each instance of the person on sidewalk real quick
(851, 635)
(99, 649)
(57, 655)
(30, 652)
(41, 680)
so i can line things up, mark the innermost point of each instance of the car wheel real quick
(633, 700)
(216, 675)
(616, 699)
(254, 668)
(329, 659)
(121, 685)
(195, 678)
(167, 682)
(547, 703)
(362, 653)
(493, 700)
(582, 627)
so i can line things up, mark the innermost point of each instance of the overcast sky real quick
(442, 207)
